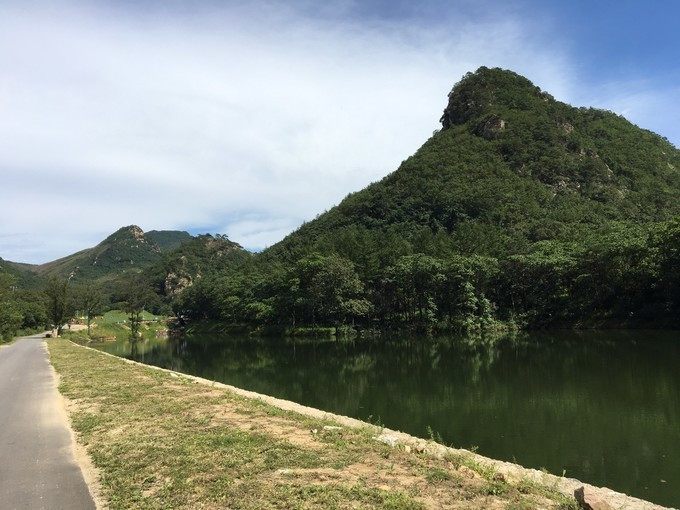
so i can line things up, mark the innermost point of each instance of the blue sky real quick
(250, 118)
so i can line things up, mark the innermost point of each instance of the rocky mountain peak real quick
(486, 92)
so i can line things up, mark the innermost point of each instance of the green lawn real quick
(116, 324)
(119, 316)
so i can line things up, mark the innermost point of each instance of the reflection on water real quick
(604, 406)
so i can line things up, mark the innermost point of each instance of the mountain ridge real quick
(128, 248)
(520, 210)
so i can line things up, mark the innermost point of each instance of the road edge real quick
(81, 457)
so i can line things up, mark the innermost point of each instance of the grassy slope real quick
(161, 441)
(114, 324)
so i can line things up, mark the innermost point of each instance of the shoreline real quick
(408, 443)
(566, 486)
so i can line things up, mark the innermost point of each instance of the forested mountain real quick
(521, 209)
(511, 166)
(126, 250)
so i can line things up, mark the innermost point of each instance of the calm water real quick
(604, 407)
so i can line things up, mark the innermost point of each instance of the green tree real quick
(412, 288)
(89, 300)
(324, 290)
(667, 241)
(32, 309)
(10, 312)
(58, 304)
(337, 291)
(464, 295)
(138, 296)
(539, 284)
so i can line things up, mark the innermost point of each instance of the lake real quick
(603, 407)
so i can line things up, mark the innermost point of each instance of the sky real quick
(249, 118)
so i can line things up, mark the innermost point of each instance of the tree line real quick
(25, 311)
(626, 277)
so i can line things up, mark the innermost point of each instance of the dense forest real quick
(22, 308)
(522, 211)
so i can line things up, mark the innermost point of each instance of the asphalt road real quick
(37, 466)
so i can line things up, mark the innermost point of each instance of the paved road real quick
(37, 467)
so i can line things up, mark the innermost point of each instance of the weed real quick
(434, 436)
(438, 475)
(495, 488)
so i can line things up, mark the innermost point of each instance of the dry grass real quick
(160, 441)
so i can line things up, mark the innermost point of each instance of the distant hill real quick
(168, 240)
(22, 274)
(126, 250)
(123, 254)
(173, 259)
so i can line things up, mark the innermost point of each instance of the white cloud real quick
(111, 117)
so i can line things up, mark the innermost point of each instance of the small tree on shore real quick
(58, 302)
(139, 295)
(90, 302)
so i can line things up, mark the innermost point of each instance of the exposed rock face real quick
(590, 499)
(491, 127)
(566, 128)
(179, 279)
(174, 283)
(201, 254)
(137, 232)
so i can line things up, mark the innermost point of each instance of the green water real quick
(603, 407)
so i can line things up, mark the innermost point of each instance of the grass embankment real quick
(115, 325)
(163, 441)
